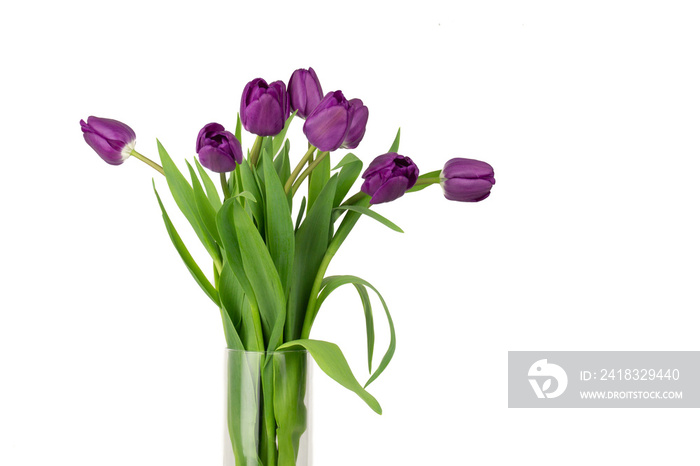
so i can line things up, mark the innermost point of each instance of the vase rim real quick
(233, 350)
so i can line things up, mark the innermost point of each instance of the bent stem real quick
(148, 161)
(308, 171)
(298, 168)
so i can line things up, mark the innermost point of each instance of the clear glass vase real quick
(267, 408)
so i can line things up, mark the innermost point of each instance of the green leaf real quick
(290, 412)
(233, 341)
(395, 145)
(371, 213)
(369, 322)
(278, 140)
(318, 179)
(332, 361)
(243, 404)
(251, 329)
(262, 274)
(184, 198)
(350, 167)
(417, 187)
(300, 215)
(284, 169)
(209, 185)
(310, 247)
(206, 212)
(231, 295)
(250, 184)
(331, 284)
(247, 195)
(279, 228)
(282, 166)
(238, 128)
(341, 234)
(192, 266)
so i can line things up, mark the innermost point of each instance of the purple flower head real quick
(111, 139)
(264, 109)
(467, 180)
(360, 113)
(304, 91)
(388, 177)
(218, 150)
(328, 124)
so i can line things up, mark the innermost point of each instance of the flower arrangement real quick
(269, 269)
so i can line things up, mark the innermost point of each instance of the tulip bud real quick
(467, 180)
(264, 109)
(328, 124)
(111, 139)
(388, 177)
(218, 150)
(360, 113)
(304, 91)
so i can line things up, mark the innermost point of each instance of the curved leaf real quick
(184, 198)
(369, 322)
(192, 266)
(395, 145)
(332, 283)
(332, 361)
(371, 213)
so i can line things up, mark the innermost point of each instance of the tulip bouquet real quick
(270, 255)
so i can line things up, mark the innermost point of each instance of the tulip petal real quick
(380, 163)
(112, 129)
(216, 160)
(358, 125)
(326, 129)
(466, 190)
(104, 149)
(468, 168)
(264, 116)
(393, 189)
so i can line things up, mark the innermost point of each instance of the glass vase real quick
(267, 408)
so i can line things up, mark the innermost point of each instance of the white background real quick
(589, 111)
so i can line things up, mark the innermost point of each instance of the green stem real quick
(148, 161)
(224, 186)
(308, 171)
(255, 151)
(343, 231)
(298, 168)
(427, 181)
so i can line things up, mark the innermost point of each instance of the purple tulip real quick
(467, 180)
(218, 150)
(264, 109)
(328, 124)
(111, 139)
(304, 91)
(360, 113)
(388, 177)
